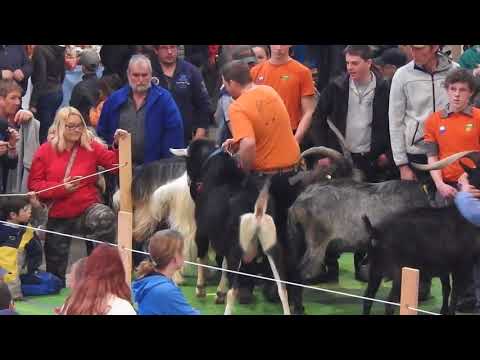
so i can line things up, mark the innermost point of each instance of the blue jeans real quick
(46, 109)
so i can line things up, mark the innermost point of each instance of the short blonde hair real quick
(58, 140)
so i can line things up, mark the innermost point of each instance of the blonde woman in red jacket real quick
(74, 208)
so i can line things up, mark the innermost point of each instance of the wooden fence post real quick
(125, 215)
(409, 294)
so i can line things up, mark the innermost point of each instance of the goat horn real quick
(438, 165)
(341, 139)
(180, 152)
(322, 150)
(475, 157)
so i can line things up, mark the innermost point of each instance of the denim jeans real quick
(46, 109)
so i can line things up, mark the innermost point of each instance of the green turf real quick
(316, 302)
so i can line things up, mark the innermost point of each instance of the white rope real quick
(211, 267)
(423, 311)
(68, 182)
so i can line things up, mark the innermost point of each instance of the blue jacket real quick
(158, 295)
(163, 122)
(468, 206)
(190, 93)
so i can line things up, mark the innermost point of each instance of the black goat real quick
(438, 242)
(224, 199)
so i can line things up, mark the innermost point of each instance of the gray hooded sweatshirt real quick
(414, 95)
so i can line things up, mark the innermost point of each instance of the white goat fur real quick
(173, 202)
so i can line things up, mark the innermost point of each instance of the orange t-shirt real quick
(291, 80)
(455, 133)
(261, 114)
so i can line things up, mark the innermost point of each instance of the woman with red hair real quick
(103, 289)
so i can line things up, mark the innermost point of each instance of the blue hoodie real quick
(469, 207)
(158, 295)
(8, 312)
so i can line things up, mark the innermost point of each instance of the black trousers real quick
(98, 222)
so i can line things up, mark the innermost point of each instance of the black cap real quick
(392, 56)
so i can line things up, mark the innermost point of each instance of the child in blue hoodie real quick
(155, 292)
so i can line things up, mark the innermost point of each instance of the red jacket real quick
(48, 169)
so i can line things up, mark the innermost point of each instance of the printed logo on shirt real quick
(443, 129)
(182, 81)
(260, 79)
(469, 127)
(284, 77)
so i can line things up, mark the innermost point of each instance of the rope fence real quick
(227, 270)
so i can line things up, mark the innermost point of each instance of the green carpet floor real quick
(316, 302)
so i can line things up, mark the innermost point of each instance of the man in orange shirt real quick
(451, 130)
(293, 82)
(263, 140)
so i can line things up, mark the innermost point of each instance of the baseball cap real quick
(90, 59)
(392, 56)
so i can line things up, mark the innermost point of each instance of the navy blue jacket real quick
(13, 57)
(190, 94)
(163, 122)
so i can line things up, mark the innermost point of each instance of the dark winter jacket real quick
(115, 59)
(85, 95)
(48, 71)
(190, 94)
(196, 54)
(333, 103)
(13, 57)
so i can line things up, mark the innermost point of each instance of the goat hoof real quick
(297, 310)
(220, 298)
(201, 291)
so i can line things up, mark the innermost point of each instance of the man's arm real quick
(308, 106)
(396, 114)
(246, 153)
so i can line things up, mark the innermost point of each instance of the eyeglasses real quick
(74, 127)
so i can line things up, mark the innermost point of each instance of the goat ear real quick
(180, 152)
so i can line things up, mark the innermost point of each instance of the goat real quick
(224, 198)
(438, 242)
(330, 211)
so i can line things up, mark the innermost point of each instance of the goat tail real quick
(372, 232)
(258, 225)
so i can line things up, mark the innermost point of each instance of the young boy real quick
(19, 247)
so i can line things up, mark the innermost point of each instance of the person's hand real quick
(13, 138)
(476, 71)
(34, 200)
(18, 75)
(200, 134)
(467, 187)
(382, 161)
(231, 146)
(447, 191)
(22, 116)
(71, 187)
(119, 134)
(3, 147)
(406, 173)
(7, 74)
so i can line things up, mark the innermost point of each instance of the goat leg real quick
(200, 290)
(223, 285)
(445, 280)
(231, 297)
(374, 282)
(282, 290)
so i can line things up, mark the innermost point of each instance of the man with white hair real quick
(146, 111)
